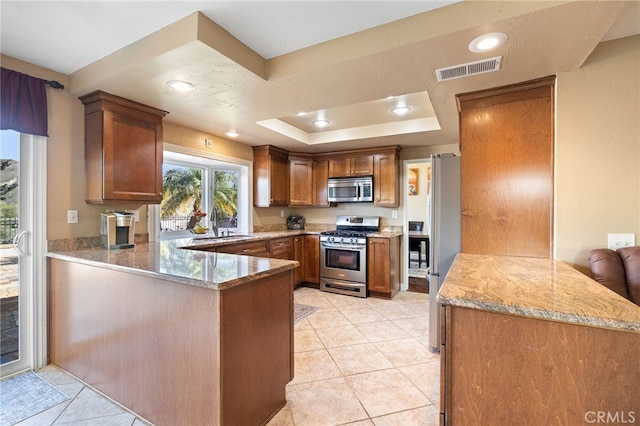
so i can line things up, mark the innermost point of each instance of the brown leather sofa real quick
(618, 270)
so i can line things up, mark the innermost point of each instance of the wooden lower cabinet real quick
(173, 353)
(281, 248)
(383, 266)
(298, 255)
(499, 369)
(303, 248)
(251, 248)
(311, 260)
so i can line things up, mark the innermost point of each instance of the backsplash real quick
(70, 244)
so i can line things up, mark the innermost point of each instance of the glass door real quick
(21, 241)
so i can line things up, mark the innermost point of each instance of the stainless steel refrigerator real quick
(444, 231)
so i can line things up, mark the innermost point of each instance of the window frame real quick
(179, 155)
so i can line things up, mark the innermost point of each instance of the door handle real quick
(17, 243)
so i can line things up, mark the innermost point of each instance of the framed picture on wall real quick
(413, 181)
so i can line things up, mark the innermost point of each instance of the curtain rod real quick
(54, 84)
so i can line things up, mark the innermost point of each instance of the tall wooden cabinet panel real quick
(383, 266)
(270, 176)
(507, 169)
(123, 150)
(301, 181)
(385, 179)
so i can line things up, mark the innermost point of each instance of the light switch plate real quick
(72, 216)
(617, 241)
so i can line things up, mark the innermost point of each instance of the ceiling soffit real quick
(351, 76)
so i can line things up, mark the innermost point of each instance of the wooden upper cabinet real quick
(308, 181)
(270, 176)
(359, 165)
(385, 179)
(507, 169)
(301, 181)
(123, 150)
(320, 195)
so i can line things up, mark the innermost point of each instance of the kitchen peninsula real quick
(531, 340)
(178, 336)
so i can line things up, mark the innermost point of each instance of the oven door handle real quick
(344, 247)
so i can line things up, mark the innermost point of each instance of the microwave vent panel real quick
(470, 68)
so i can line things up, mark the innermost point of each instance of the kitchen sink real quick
(220, 237)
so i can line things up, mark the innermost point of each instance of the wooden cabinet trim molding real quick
(495, 96)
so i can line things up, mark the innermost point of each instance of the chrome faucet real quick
(213, 217)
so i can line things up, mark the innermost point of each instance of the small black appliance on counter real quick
(295, 221)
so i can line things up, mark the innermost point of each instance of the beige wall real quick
(598, 151)
(597, 157)
(417, 204)
(65, 158)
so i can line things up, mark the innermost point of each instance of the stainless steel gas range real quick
(343, 255)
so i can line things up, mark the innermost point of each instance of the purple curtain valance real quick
(23, 103)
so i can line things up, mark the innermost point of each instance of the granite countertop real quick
(534, 287)
(169, 260)
(187, 261)
(385, 234)
(200, 242)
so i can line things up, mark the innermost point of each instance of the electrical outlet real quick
(394, 214)
(617, 241)
(281, 213)
(72, 216)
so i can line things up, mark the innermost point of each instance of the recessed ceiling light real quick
(181, 86)
(320, 123)
(301, 113)
(487, 42)
(401, 110)
(232, 134)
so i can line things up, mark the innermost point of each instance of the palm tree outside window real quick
(184, 194)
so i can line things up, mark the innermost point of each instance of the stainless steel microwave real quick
(351, 189)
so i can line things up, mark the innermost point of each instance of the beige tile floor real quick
(363, 362)
(85, 407)
(357, 362)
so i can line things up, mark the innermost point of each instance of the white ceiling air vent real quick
(471, 68)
